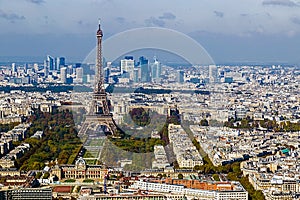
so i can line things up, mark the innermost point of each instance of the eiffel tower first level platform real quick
(104, 120)
(99, 113)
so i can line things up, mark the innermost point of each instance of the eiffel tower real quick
(99, 111)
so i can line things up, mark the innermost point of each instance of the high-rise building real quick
(50, 63)
(25, 67)
(46, 69)
(79, 74)
(63, 75)
(137, 75)
(70, 69)
(107, 71)
(13, 68)
(144, 65)
(108, 64)
(106, 74)
(213, 74)
(127, 65)
(155, 70)
(180, 76)
(36, 67)
(59, 62)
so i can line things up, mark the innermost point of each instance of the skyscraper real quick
(79, 74)
(50, 63)
(36, 67)
(136, 77)
(144, 65)
(180, 76)
(46, 68)
(155, 70)
(127, 65)
(25, 67)
(59, 62)
(63, 75)
(213, 74)
(13, 68)
(107, 72)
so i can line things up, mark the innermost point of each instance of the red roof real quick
(62, 189)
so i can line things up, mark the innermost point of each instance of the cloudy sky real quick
(230, 30)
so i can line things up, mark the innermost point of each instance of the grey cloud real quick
(120, 20)
(268, 14)
(219, 14)
(46, 19)
(12, 17)
(287, 3)
(167, 15)
(161, 20)
(295, 20)
(83, 24)
(38, 2)
(152, 21)
(265, 15)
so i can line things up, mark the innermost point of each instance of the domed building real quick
(80, 170)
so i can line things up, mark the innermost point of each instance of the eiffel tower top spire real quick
(99, 32)
(99, 80)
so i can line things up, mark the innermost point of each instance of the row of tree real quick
(137, 145)
(60, 142)
(144, 144)
(271, 125)
(8, 127)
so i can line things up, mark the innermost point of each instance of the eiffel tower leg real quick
(113, 128)
(84, 128)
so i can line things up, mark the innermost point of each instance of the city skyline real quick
(142, 129)
(263, 31)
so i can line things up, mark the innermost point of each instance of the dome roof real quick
(80, 162)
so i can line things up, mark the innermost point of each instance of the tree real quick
(245, 123)
(140, 116)
(258, 195)
(199, 167)
(59, 142)
(230, 123)
(204, 122)
(38, 175)
(216, 177)
(231, 176)
(180, 176)
(46, 175)
(236, 168)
